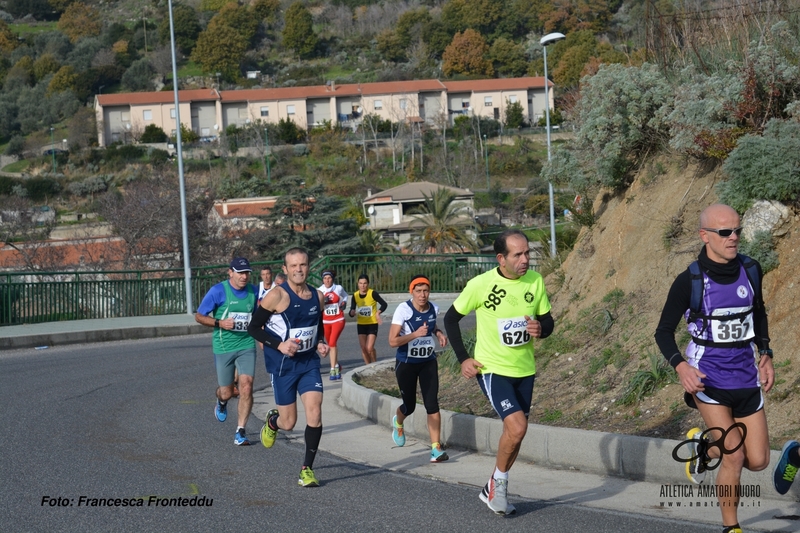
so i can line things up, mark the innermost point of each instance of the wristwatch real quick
(216, 323)
(767, 352)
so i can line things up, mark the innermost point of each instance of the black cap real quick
(240, 264)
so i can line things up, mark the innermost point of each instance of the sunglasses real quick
(727, 232)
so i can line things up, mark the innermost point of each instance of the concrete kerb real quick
(595, 452)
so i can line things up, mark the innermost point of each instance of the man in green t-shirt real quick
(228, 308)
(511, 309)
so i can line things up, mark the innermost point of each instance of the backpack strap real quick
(697, 290)
(751, 269)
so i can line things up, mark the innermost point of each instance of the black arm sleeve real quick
(382, 305)
(257, 331)
(321, 329)
(676, 305)
(451, 320)
(548, 324)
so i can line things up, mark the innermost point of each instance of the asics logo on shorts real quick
(506, 405)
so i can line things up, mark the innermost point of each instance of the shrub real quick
(153, 134)
(16, 145)
(762, 249)
(763, 167)
(647, 380)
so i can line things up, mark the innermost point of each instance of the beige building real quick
(207, 112)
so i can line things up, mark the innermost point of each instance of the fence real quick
(36, 297)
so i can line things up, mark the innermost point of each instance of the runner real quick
(228, 307)
(511, 309)
(728, 357)
(333, 317)
(266, 284)
(412, 332)
(293, 344)
(366, 302)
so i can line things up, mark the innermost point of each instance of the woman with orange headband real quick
(412, 332)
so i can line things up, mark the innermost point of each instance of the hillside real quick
(626, 251)
(607, 298)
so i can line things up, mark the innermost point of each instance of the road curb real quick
(595, 452)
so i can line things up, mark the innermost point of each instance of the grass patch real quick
(448, 360)
(17, 166)
(33, 28)
(647, 380)
(189, 69)
(551, 415)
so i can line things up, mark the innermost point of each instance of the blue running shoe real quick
(785, 472)
(398, 435)
(221, 411)
(438, 455)
(240, 439)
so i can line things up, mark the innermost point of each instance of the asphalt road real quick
(133, 420)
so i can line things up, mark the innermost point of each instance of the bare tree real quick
(25, 227)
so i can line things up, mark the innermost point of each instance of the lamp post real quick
(549, 39)
(486, 146)
(266, 153)
(187, 269)
(53, 149)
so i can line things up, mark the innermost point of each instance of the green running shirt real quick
(503, 346)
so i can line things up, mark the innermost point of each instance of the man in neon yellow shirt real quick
(511, 309)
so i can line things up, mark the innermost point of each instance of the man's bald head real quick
(715, 212)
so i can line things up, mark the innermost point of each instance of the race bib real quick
(365, 311)
(240, 321)
(304, 337)
(421, 348)
(738, 329)
(331, 309)
(512, 331)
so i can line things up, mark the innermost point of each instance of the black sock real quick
(794, 456)
(223, 404)
(273, 422)
(313, 436)
(728, 529)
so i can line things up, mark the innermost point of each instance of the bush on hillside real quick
(153, 134)
(763, 167)
(762, 249)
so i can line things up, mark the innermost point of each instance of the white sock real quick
(499, 475)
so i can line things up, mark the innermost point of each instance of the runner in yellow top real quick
(365, 307)
(511, 309)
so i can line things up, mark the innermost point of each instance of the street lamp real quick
(266, 153)
(53, 149)
(549, 39)
(487, 161)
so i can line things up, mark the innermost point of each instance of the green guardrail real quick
(36, 297)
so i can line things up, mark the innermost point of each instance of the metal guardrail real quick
(37, 297)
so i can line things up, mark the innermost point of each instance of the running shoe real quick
(240, 438)
(338, 371)
(785, 472)
(333, 374)
(438, 455)
(696, 468)
(268, 434)
(221, 411)
(398, 435)
(495, 496)
(307, 478)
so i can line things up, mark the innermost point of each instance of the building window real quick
(172, 113)
(265, 111)
(147, 114)
(378, 105)
(290, 110)
(512, 99)
(487, 101)
(403, 103)
(464, 104)
(126, 116)
(243, 112)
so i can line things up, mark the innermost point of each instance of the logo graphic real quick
(506, 405)
(514, 324)
(742, 291)
(679, 454)
(529, 297)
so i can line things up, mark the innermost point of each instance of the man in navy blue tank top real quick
(728, 361)
(293, 342)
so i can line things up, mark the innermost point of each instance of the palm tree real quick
(441, 225)
(372, 243)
